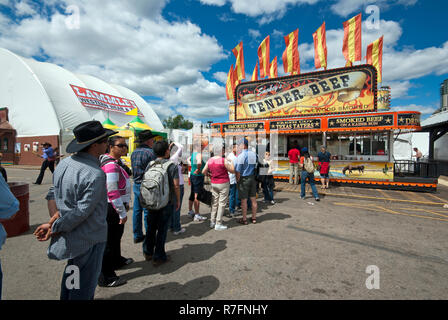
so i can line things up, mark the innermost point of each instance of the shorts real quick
(324, 175)
(197, 184)
(247, 187)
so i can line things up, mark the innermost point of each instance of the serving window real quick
(358, 146)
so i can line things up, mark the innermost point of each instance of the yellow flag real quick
(133, 112)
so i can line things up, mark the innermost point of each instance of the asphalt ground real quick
(299, 249)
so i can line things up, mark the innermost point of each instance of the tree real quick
(178, 122)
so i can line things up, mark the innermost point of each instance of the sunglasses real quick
(122, 145)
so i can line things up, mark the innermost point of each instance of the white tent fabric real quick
(42, 103)
(404, 144)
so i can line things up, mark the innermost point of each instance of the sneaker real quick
(191, 214)
(317, 199)
(198, 217)
(303, 198)
(212, 225)
(179, 232)
(220, 227)
(272, 202)
(112, 282)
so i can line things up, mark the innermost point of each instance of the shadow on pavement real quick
(195, 289)
(261, 217)
(189, 253)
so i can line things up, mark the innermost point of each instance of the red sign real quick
(98, 100)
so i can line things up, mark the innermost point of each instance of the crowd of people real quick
(90, 197)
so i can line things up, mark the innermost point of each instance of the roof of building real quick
(435, 119)
(41, 101)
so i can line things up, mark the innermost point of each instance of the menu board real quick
(386, 120)
(300, 124)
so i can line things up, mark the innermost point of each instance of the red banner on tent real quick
(103, 101)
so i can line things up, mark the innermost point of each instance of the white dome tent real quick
(43, 103)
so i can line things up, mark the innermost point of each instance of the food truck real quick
(337, 108)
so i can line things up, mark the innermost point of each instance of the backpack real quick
(155, 187)
(308, 165)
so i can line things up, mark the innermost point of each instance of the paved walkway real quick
(438, 198)
(298, 249)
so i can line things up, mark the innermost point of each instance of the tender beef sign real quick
(346, 90)
(98, 100)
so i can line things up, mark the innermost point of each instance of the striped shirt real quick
(118, 184)
(140, 159)
(81, 198)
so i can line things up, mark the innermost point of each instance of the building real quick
(45, 102)
(444, 96)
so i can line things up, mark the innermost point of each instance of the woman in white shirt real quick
(176, 156)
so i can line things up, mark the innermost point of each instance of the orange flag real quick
(255, 73)
(239, 65)
(351, 47)
(290, 57)
(320, 48)
(273, 69)
(230, 84)
(374, 56)
(263, 57)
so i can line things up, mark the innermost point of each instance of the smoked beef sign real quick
(98, 100)
(345, 90)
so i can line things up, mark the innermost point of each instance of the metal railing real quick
(421, 169)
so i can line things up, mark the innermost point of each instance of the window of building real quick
(333, 144)
(364, 143)
(379, 144)
(315, 144)
(5, 144)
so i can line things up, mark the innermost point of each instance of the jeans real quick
(1, 279)
(233, 198)
(175, 218)
(46, 164)
(310, 177)
(268, 193)
(137, 214)
(89, 266)
(158, 221)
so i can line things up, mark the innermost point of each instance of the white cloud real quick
(267, 10)
(220, 76)
(218, 3)
(126, 42)
(346, 7)
(419, 108)
(255, 34)
(4, 2)
(399, 89)
(23, 8)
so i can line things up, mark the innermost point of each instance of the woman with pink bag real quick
(217, 168)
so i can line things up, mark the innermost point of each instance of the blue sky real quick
(176, 54)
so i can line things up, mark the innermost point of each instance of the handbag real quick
(205, 197)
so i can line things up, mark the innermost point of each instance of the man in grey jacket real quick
(78, 230)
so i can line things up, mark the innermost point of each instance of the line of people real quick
(91, 193)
